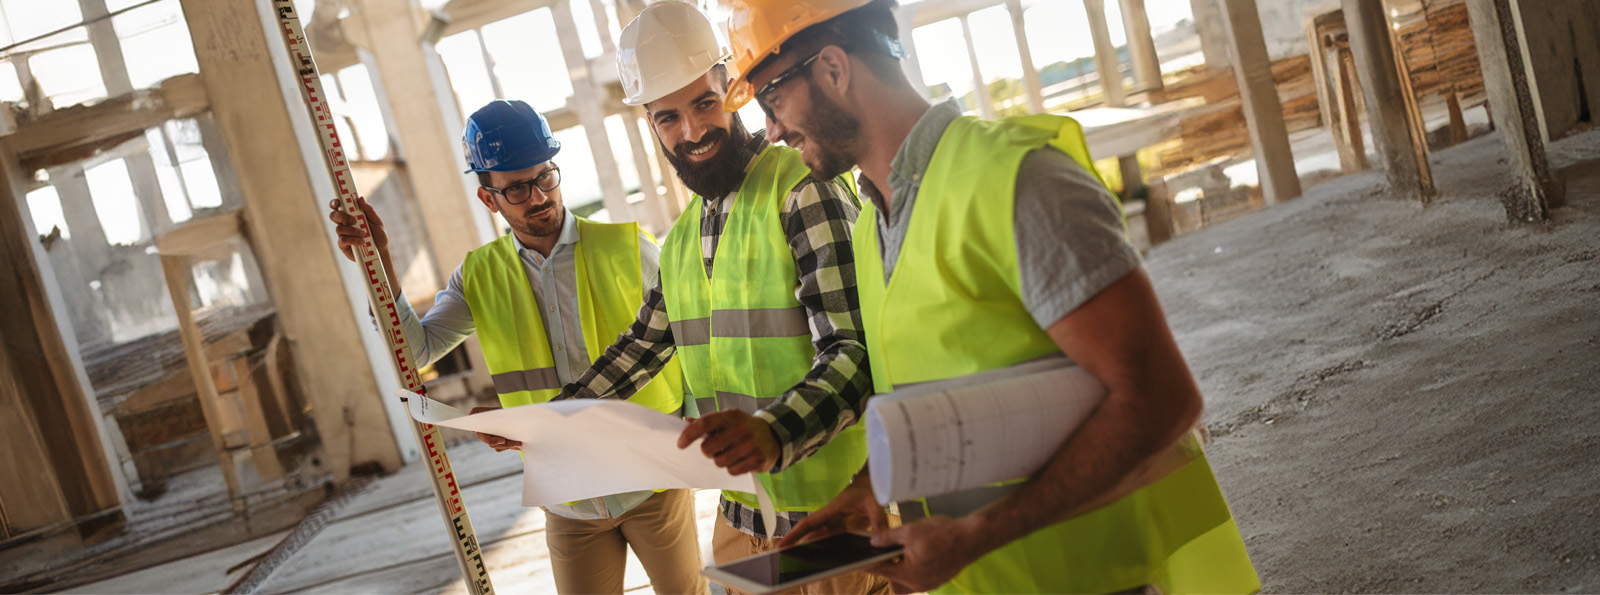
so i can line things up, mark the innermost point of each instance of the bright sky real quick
(1057, 30)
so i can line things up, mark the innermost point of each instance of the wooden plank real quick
(200, 235)
(176, 270)
(255, 421)
(181, 96)
(43, 379)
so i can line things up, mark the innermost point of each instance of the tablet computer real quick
(796, 565)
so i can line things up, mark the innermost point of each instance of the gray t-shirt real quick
(1070, 241)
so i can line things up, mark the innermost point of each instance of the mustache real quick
(711, 137)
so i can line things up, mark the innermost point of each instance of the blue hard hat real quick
(507, 136)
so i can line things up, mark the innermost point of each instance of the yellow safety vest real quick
(953, 307)
(743, 337)
(511, 330)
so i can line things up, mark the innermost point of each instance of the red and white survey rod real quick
(443, 478)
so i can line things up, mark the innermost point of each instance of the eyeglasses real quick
(520, 192)
(763, 96)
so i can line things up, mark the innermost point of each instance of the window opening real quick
(465, 62)
(155, 43)
(115, 203)
(543, 83)
(361, 110)
(44, 205)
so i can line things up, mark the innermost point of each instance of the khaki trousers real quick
(729, 544)
(589, 556)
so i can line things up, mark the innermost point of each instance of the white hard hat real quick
(666, 47)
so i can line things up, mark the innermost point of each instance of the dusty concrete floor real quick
(1404, 398)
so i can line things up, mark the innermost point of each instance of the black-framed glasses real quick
(520, 192)
(783, 77)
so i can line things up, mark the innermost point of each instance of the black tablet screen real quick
(802, 561)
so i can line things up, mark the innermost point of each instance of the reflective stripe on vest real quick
(742, 336)
(953, 307)
(511, 330)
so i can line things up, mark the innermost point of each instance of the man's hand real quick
(737, 441)
(854, 509)
(936, 549)
(499, 444)
(350, 233)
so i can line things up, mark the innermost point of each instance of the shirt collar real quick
(569, 235)
(916, 152)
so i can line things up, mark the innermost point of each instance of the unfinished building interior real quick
(1373, 224)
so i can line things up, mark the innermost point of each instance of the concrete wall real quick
(1564, 42)
(1283, 23)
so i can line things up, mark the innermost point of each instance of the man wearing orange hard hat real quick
(756, 296)
(989, 244)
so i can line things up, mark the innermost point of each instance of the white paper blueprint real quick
(944, 437)
(586, 448)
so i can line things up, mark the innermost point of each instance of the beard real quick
(533, 224)
(836, 140)
(724, 171)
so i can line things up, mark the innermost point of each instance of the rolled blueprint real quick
(943, 437)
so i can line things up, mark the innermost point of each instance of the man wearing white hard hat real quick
(757, 296)
(543, 299)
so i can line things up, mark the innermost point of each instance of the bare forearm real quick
(1114, 443)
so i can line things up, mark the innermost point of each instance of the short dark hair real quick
(859, 30)
(483, 179)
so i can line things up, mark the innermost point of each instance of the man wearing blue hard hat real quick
(545, 300)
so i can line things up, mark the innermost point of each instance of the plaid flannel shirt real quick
(817, 218)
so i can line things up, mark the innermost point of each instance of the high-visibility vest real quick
(511, 330)
(743, 337)
(954, 307)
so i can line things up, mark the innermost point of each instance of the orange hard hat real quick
(757, 28)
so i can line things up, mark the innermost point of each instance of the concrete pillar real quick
(1142, 45)
(980, 91)
(1401, 146)
(1030, 75)
(89, 242)
(1263, 110)
(1508, 78)
(1105, 55)
(432, 155)
(656, 220)
(250, 85)
(408, 89)
(1212, 31)
(586, 98)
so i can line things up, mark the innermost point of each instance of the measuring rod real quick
(442, 477)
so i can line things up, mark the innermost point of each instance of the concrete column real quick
(1263, 110)
(979, 89)
(1142, 46)
(1508, 78)
(89, 242)
(286, 187)
(1401, 147)
(1213, 33)
(657, 220)
(1030, 75)
(432, 155)
(1105, 54)
(586, 98)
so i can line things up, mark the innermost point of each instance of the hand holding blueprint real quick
(943, 437)
(587, 448)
